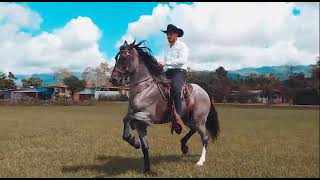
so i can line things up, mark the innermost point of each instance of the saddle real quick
(186, 91)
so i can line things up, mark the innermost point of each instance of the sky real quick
(40, 37)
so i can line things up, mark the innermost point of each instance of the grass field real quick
(86, 141)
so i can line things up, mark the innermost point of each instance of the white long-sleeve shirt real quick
(176, 57)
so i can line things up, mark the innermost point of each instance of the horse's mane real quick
(147, 57)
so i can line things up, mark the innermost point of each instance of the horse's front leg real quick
(142, 131)
(126, 133)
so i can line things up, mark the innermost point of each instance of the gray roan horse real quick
(147, 104)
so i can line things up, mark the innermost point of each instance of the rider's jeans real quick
(178, 77)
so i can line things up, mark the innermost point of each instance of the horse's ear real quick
(132, 44)
(124, 45)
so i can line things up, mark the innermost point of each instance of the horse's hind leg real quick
(184, 140)
(204, 139)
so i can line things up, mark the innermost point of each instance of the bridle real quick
(126, 56)
(121, 72)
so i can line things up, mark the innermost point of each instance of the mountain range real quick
(280, 72)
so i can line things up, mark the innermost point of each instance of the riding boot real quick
(163, 79)
(178, 78)
(178, 123)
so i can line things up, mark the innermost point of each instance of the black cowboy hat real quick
(173, 28)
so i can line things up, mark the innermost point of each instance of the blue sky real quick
(39, 37)
(111, 18)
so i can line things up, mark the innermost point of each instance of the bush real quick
(254, 100)
(230, 99)
(118, 97)
(243, 97)
(307, 96)
(87, 102)
(26, 101)
(29, 101)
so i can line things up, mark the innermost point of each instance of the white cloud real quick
(74, 46)
(235, 35)
(146, 25)
(19, 16)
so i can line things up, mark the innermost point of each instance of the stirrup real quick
(177, 124)
(177, 128)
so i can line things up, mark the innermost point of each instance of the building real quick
(106, 92)
(277, 97)
(59, 91)
(87, 93)
(5, 93)
(256, 96)
(42, 93)
(45, 92)
(24, 93)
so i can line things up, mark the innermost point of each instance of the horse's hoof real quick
(199, 164)
(137, 145)
(146, 170)
(178, 131)
(184, 149)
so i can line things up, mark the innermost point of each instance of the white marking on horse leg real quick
(203, 157)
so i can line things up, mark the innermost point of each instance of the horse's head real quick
(126, 64)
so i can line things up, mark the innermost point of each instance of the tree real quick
(3, 75)
(103, 74)
(33, 81)
(253, 81)
(290, 70)
(6, 83)
(295, 83)
(266, 83)
(61, 74)
(74, 84)
(221, 72)
(89, 76)
(11, 76)
(216, 83)
(97, 76)
(315, 74)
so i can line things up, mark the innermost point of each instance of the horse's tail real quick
(212, 123)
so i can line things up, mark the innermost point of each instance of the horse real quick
(148, 106)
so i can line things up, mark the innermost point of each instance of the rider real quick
(174, 63)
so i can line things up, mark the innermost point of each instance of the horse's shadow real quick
(116, 165)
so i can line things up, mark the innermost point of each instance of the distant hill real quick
(46, 78)
(280, 72)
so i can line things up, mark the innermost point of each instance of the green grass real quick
(86, 141)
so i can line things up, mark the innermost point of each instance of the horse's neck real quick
(141, 73)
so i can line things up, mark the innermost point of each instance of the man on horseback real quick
(172, 66)
(149, 100)
(174, 63)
